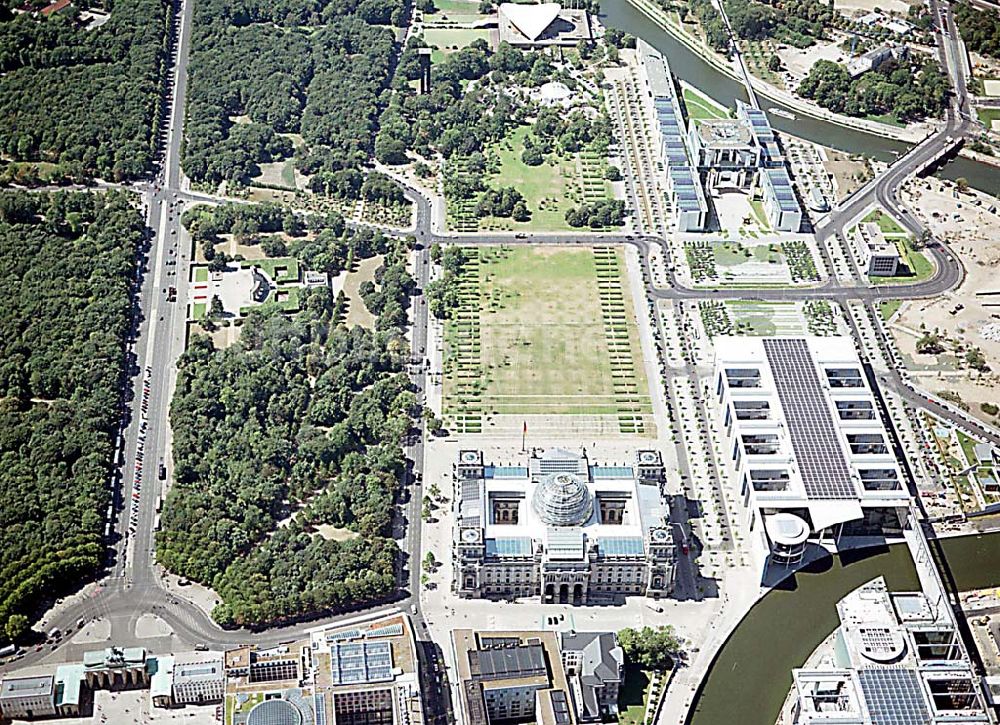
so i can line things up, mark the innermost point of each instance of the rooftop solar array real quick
(274, 670)
(558, 465)
(759, 124)
(389, 630)
(621, 545)
(560, 708)
(509, 546)
(893, 696)
(470, 503)
(508, 663)
(343, 635)
(358, 662)
(781, 188)
(825, 474)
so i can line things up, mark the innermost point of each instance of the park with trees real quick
(77, 104)
(297, 427)
(265, 73)
(906, 90)
(67, 262)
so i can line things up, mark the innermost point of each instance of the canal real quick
(751, 675)
(689, 66)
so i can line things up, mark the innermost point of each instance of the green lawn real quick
(201, 274)
(700, 106)
(885, 222)
(888, 308)
(633, 696)
(452, 9)
(758, 211)
(450, 39)
(988, 116)
(968, 447)
(279, 269)
(729, 255)
(548, 320)
(199, 310)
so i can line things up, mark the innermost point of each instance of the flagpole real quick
(524, 432)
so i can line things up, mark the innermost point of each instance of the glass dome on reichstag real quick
(562, 499)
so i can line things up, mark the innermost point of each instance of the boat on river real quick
(782, 112)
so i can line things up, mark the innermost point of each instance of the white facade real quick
(27, 697)
(804, 441)
(896, 658)
(880, 258)
(561, 528)
(198, 677)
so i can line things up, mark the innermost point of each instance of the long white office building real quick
(687, 197)
(804, 441)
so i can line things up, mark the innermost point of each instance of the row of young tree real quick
(908, 90)
(65, 264)
(264, 70)
(303, 418)
(85, 100)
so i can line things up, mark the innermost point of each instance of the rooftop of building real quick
(557, 498)
(730, 133)
(809, 424)
(493, 660)
(17, 687)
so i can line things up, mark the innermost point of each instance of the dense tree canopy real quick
(86, 100)
(262, 68)
(303, 416)
(980, 29)
(908, 92)
(651, 649)
(65, 264)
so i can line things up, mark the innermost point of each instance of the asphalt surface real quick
(133, 586)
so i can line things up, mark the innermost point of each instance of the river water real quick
(751, 676)
(691, 67)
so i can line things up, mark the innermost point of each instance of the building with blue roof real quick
(681, 180)
(566, 530)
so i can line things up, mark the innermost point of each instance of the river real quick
(751, 676)
(689, 66)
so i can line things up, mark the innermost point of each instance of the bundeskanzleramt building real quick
(561, 528)
(804, 439)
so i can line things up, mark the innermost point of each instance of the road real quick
(134, 587)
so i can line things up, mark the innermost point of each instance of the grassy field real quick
(920, 267)
(448, 40)
(545, 331)
(452, 9)
(888, 308)
(988, 115)
(544, 187)
(700, 106)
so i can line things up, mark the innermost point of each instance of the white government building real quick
(561, 528)
(804, 441)
(739, 153)
(897, 659)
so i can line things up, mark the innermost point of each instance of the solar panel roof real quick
(894, 696)
(825, 474)
(507, 663)
(560, 707)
